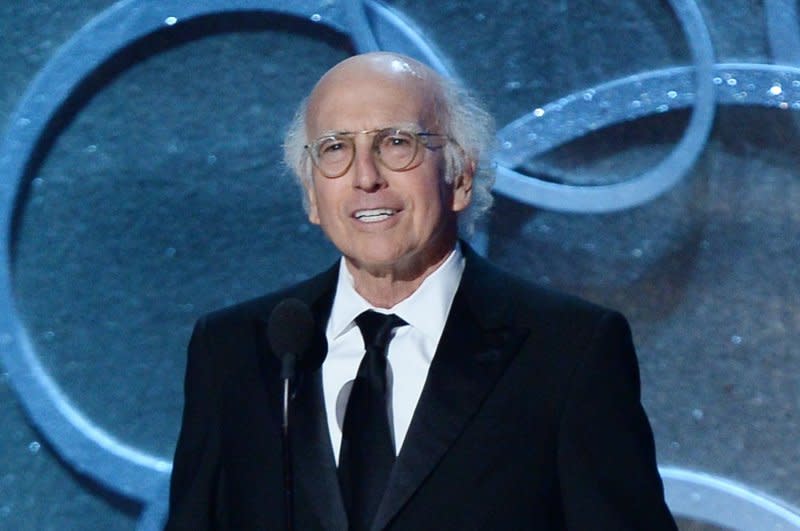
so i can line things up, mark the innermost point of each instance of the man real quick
(500, 405)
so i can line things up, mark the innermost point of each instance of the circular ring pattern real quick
(371, 25)
(621, 100)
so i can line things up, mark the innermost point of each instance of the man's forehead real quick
(399, 83)
(367, 94)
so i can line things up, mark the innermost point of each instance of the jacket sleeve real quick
(606, 454)
(195, 469)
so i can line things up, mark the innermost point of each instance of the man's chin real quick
(375, 260)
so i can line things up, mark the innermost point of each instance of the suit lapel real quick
(316, 483)
(476, 346)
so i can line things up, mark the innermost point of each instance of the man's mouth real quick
(374, 215)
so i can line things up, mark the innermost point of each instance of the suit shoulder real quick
(532, 301)
(259, 308)
(551, 300)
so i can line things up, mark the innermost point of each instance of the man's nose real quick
(367, 171)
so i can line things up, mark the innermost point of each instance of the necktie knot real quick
(376, 329)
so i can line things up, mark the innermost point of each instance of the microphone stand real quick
(290, 329)
(287, 372)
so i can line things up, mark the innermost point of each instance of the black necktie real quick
(367, 453)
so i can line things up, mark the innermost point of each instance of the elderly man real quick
(438, 392)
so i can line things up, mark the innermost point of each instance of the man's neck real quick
(386, 288)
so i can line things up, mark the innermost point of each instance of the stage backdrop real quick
(648, 159)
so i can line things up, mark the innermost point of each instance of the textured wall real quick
(156, 194)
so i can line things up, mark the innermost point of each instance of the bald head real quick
(399, 88)
(386, 63)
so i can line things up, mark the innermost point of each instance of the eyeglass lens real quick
(396, 149)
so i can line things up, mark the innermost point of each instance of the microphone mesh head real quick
(290, 328)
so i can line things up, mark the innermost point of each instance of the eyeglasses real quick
(395, 149)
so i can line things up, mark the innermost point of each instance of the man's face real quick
(383, 221)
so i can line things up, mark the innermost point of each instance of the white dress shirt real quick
(410, 351)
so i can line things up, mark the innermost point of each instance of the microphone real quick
(290, 329)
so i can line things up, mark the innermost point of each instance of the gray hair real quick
(466, 122)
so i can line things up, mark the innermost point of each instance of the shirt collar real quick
(426, 309)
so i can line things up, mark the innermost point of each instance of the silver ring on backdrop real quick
(618, 101)
(783, 33)
(725, 503)
(783, 30)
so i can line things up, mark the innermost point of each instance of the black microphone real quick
(290, 329)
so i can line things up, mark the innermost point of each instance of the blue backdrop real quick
(647, 159)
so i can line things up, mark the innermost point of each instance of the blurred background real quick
(142, 186)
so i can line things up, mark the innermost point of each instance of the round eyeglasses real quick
(395, 149)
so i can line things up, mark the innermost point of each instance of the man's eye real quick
(398, 140)
(331, 147)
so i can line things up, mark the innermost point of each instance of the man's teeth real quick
(374, 215)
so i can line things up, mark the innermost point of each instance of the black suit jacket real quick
(530, 418)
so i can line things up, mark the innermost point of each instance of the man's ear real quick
(311, 202)
(462, 186)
